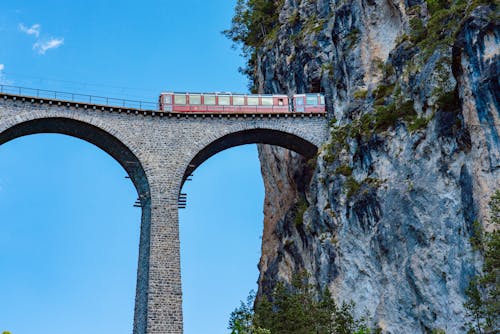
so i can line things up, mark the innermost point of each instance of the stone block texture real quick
(158, 152)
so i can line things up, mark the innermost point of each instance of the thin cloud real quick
(3, 80)
(44, 46)
(33, 30)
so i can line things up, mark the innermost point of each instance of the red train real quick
(240, 103)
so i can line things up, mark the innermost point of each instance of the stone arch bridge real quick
(158, 151)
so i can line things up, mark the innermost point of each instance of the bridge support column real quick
(158, 308)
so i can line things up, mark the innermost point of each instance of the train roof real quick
(233, 93)
(222, 93)
(305, 94)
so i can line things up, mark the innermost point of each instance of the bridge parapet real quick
(112, 104)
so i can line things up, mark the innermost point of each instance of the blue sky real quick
(68, 230)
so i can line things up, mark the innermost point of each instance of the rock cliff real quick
(383, 217)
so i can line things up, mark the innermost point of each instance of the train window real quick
(238, 100)
(194, 99)
(224, 100)
(299, 101)
(253, 101)
(180, 99)
(267, 101)
(281, 102)
(210, 99)
(167, 99)
(322, 98)
(311, 100)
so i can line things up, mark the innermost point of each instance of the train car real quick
(309, 103)
(239, 103)
(223, 103)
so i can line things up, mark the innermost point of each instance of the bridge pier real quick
(158, 308)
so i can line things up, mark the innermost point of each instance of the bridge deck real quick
(145, 112)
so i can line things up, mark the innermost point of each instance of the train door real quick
(299, 103)
(167, 102)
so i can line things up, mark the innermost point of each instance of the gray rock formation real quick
(385, 214)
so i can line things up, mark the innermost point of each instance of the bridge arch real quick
(268, 136)
(118, 150)
(88, 132)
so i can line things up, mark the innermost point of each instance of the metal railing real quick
(78, 98)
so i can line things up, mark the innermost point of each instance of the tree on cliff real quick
(295, 309)
(252, 22)
(483, 293)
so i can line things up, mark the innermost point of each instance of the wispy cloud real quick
(3, 80)
(33, 30)
(43, 46)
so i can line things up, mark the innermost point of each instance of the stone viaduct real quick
(158, 151)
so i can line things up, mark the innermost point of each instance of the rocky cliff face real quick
(385, 214)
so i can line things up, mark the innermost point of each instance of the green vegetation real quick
(360, 94)
(385, 68)
(352, 37)
(438, 331)
(295, 309)
(344, 170)
(439, 31)
(6, 332)
(328, 68)
(387, 116)
(443, 26)
(339, 136)
(252, 21)
(252, 24)
(302, 206)
(418, 123)
(352, 186)
(383, 91)
(294, 19)
(477, 237)
(483, 302)
(447, 101)
(329, 156)
(241, 319)
(313, 25)
(313, 162)
(418, 31)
